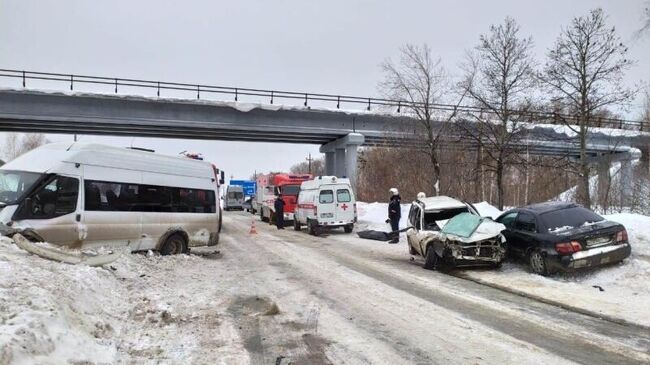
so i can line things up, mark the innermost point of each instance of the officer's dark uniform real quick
(279, 212)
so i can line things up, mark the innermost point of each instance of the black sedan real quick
(556, 236)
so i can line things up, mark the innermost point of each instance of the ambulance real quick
(325, 202)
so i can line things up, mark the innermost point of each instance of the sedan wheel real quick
(537, 263)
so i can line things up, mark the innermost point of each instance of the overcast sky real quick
(332, 46)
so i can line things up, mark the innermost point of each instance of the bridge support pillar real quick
(626, 182)
(339, 162)
(604, 180)
(329, 163)
(622, 191)
(645, 156)
(341, 156)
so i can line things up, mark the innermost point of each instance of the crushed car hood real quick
(468, 228)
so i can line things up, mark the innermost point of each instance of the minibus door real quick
(111, 216)
(52, 211)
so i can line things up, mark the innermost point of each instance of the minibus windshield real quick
(14, 184)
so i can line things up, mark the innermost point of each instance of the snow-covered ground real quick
(625, 286)
(53, 313)
(139, 309)
(283, 297)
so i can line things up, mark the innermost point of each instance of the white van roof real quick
(48, 158)
(319, 181)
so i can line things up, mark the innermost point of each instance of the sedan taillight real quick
(568, 247)
(621, 236)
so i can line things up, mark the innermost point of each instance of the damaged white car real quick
(451, 233)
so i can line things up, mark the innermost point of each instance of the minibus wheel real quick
(173, 245)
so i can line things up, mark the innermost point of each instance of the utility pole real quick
(309, 159)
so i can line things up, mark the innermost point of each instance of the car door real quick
(411, 233)
(344, 204)
(415, 235)
(326, 205)
(523, 234)
(508, 220)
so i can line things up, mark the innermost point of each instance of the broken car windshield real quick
(462, 225)
(430, 217)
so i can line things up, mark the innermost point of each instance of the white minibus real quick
(90, 195)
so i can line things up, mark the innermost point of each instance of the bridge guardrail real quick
(534, 116)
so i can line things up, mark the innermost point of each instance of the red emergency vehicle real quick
(270, 186)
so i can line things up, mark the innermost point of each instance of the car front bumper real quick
(590, 258)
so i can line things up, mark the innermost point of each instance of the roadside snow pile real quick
(374, 215)
(53, 313)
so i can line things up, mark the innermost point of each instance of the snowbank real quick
(374, 215)
(53, 313)
(625, 291)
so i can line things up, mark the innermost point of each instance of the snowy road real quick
(357, 301)
(283, 297)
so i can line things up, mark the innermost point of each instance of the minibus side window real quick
(109, 196)
(58, 197)
(196, 201)
(326, 197)
(343, 196)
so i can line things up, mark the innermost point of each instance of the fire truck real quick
(270, 186)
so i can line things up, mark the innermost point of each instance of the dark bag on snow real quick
(376, 235)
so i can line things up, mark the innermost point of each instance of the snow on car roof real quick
(441, 202)
(548, 206)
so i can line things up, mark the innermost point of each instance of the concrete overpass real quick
(339, 133)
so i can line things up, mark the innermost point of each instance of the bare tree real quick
(645, 117)
(645, 27)
(317, 167)
(16, 144)
(499, 78)
(584, 71)
(420, 82)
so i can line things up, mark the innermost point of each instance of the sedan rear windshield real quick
(14, 184)
(569, 218)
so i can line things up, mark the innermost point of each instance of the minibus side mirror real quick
(24, 210)
(222, 179)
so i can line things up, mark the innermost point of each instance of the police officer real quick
(279, 212)
(394, 213)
